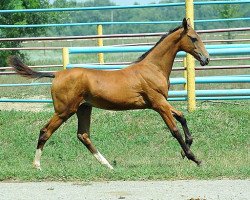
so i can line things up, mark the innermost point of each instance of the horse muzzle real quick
(204, 61)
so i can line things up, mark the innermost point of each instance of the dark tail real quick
(25, 71)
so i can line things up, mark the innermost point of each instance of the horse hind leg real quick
(83, 133)
(45, 133)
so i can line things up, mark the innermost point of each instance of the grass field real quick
(137, 143)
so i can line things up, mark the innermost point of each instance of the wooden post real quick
(100, 44)
(190, 62)
(65, 57)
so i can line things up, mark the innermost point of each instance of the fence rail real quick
(242, 49)
(120, 23)
(118, 35)
(124, 7)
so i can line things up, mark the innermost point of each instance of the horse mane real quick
(162, 38)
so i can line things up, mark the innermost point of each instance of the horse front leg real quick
(180, 118)
(83, 133)
(164, 109)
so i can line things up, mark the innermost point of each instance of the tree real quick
(20, 18)
(228, 11)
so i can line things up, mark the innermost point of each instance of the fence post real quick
(100, 44)
(190, 62)
(65, 57)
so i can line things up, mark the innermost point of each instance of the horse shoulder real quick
(155, 82)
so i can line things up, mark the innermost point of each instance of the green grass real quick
(137, 141)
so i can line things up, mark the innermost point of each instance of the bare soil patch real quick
(33, 107)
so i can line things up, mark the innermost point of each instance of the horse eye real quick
(193, 39)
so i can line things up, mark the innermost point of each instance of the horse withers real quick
(143, 84)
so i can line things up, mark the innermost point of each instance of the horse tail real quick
(25, 71)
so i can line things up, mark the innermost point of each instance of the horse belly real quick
(115, 90)
(118, 101)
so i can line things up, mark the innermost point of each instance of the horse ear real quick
(185, 23)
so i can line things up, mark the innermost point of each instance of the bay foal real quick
(144, 84)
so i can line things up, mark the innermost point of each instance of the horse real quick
(142, 85)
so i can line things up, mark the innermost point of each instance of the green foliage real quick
(137, 141)
(18, 19)
(228, 11)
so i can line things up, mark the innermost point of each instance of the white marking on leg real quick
(102, 160)
(37, 159)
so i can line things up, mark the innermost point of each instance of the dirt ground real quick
(128, 190)
(34, 107)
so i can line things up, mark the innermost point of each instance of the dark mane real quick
(162, 38)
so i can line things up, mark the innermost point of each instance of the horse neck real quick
(163, 55)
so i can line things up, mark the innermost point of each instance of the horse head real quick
(192, 43)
